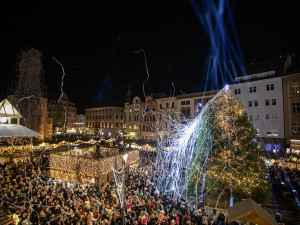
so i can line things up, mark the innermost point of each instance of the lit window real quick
(295, 88)
(296, 127)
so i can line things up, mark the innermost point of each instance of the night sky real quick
(95, 43)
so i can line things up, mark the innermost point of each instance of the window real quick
(296, 127)
(250, 103)
(267, 102)
(172, 105)
(255, 117)
(252, 89)
(270, 87)
(268, 147)
(117, 124)
(167, 105)
(116, 116)
(273, 101)
(295, 88)
(274, 116)
(295, 107)
(256, 103)
(237, 91)
(185, 102)
(188, 111)
(267, 116)
(276, 148)
(160, 106)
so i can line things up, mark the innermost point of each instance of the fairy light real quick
(191, 154)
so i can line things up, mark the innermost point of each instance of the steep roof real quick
(8, 110)
(250, 211)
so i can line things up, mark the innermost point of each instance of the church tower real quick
(28, 95)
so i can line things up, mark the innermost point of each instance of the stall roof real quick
(250, 211)
(15, 130)
(8, 110)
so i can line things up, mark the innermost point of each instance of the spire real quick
(128, 95)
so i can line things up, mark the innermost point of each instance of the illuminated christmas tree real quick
(226, 154)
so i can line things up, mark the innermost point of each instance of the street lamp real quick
(123, 188)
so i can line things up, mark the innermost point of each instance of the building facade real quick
(291, 93)
(189, 105)
(80, 124)
(59, 111)
(149, 119)
(167, 117)
(263, 100)
(72, 118)
(132, 123)
(105, 121)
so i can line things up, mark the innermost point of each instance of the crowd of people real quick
(39, 200)
(285, 179)
(16, 141)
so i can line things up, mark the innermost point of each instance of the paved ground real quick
(286, 205)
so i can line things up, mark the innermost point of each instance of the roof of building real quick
(250, 211)
(264, 66)
(8, 110)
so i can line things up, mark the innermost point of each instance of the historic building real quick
(59, 111)
(261, 91)
(28, 92)
(167, 116)
(149, 119)
(105, 121)
(72, 118)
(132, 124)
(80, 124)
(291, 95)
(189, 105)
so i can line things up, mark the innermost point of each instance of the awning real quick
(250, 211)
(15, 130)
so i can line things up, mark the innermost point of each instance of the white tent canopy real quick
(15, 130)
(8, 110)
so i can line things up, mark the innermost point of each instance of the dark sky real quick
(95, 43)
